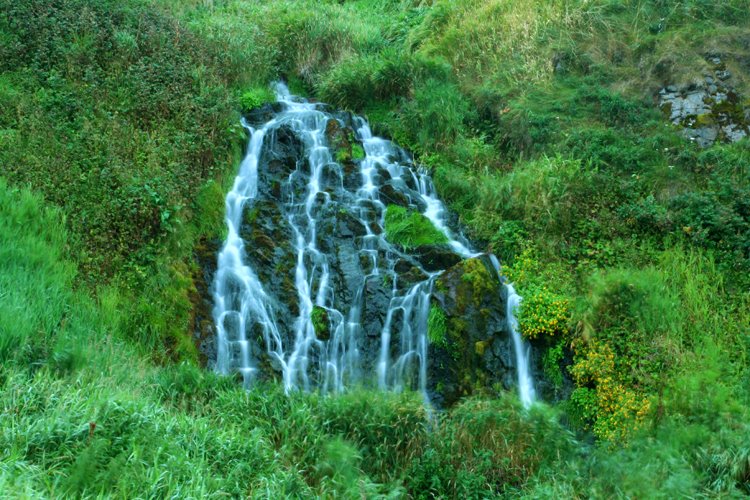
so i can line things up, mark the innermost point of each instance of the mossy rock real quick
(343, 144)
(473, 352)
(321, 323)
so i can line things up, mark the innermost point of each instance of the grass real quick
(410, 229)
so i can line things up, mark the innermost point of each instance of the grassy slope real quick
(120, 115)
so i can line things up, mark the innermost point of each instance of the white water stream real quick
(244, 313)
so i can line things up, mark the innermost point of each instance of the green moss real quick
(343, 155)
(479, 348)
(478, 282)
(410, 229)
(321, 324)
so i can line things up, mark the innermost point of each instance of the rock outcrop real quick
(318, 216)
(708, 111)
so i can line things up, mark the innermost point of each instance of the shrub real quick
(631, 321)
(438, 113)
(487, 448)
(543, 313)
(255, 98)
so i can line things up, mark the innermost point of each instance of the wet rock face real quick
(476, 352)
(313, 237)
(710, 111)
(204, 332)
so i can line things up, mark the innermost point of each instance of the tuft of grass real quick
(437, 327)
(410, 229)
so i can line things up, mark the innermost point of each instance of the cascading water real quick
(521, 349)
(318, 342)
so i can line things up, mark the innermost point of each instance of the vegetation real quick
(410, 228)
(437, 327)
(320, 321)
(119, 132)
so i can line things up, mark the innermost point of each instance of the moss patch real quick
(358, 152)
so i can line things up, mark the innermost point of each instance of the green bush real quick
(487, 448)
(255, 98)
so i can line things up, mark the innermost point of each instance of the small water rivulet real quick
(309, 289)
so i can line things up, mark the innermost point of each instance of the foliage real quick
(409, 228)
(544, 313)
(437, 326)
(320, 322)
(551, 364)
(254, 98)
(486, 448)
(537, 121)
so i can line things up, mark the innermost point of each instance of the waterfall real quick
(522, 349)
(335, 285)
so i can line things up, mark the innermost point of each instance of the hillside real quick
(594, 146)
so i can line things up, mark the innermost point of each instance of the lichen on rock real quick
(708, 111)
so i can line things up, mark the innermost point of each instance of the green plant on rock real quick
(551, 364)
(358, 152)
(321, 324)
(437, 327)
(410, 229)
(255, 98)
(343, 156)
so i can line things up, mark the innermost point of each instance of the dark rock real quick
(204, 332)
(349, 226)
(436, 257)
(286, 147)
(477, 351)
(261, 115)
(391, 196)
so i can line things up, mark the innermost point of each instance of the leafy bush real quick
(254, 98)
(543, 313)
(630, 322)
